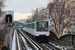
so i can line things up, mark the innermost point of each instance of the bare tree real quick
(1, 6)
(40, 14)
(59, 17)
(35, 16)
(29, 18)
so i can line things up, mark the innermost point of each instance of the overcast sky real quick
(23, 8)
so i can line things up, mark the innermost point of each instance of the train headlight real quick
(47, 34)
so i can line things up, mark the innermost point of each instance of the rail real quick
(34, 45)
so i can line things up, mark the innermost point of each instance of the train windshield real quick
(42, 26)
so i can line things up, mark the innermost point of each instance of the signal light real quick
(8, 18)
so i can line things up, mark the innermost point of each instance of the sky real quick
(23, 8)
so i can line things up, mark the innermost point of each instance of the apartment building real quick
(57, 13)
(68, 7)
(71, 11)
(40, 14)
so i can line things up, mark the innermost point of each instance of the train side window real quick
(32, 25)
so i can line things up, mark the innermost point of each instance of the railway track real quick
(32, 43)
(18, 42)
(23, 38)
(49, 46)
(24, 43)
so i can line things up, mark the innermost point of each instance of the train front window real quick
(42, 26)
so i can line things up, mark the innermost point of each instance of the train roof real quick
(36, 21)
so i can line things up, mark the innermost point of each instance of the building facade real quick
(71, 13)
(68, 14)
(40, 14)
(57, 12)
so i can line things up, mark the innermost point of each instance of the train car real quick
(37, 30)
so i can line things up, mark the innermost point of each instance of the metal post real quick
(10, 38)
(9, 35)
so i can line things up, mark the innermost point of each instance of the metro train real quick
(38, 30)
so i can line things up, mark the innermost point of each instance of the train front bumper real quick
(42, 33)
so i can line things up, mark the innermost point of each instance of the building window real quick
(73, 7)
(71, 24)
(65, 31)
(73, 32)
(74, 16)
(69, 32)
(68, 10)
(74, 24)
